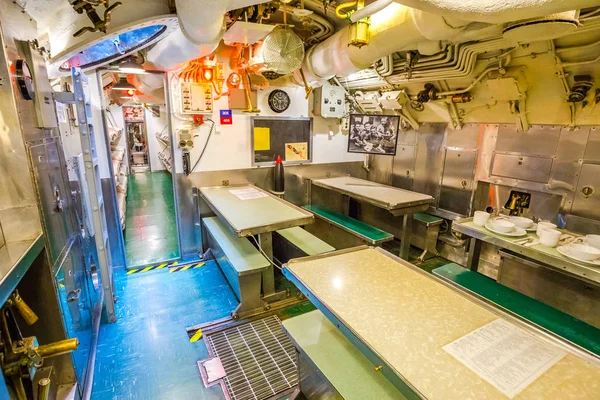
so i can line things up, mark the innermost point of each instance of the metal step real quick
(259, 359)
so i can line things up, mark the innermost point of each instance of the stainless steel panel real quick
(582, 225)
(528, 168)
(465, 138)
(567, 163)
(114, 228)
(429, 163)
(380, 169)
(458, 181)
(592, 150)
(585, 205)
(403, 167)
(50, 184)
(543, 205)
(570, 295)
(408, 137)
(18, 203)
(540, 140)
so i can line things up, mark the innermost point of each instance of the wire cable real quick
(264, 254)
(212, 128)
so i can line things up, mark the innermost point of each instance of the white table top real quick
(255, 215)
(383, 196)
(407, 317)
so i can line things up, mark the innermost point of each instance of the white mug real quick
(550, 237)
(481, 218)
(544, 225)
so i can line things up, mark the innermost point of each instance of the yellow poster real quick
(262, 139)
(296, 151)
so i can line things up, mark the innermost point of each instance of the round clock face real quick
(24, 80)
(279, 101)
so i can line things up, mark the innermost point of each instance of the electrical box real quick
(196, 98)
(185, 139)
(329, 101)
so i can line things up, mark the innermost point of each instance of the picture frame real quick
(373, 134)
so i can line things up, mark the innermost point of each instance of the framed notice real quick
(373, 134)
(287, 137)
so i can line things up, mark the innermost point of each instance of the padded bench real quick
(564, 325)
(330, 356)
(241, 263)
(297, 242)
(365, 233)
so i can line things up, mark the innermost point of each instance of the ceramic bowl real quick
(481, 218)
(550, 237)
(502, 225)
(584, 252)
(521, 222)
(544, 225)
(593, 240)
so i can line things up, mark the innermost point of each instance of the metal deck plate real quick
(259, 359)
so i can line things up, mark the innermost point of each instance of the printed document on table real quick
(505, 355)
(247, 193)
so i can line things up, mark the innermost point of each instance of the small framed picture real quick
(373, 134)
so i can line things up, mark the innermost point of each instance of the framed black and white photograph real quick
(373, 134)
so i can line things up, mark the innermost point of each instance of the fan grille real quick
(283, 51)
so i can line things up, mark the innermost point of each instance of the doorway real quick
(141, 149)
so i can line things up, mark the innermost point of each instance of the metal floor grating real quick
(259, 359)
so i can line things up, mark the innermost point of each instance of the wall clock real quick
(279, 101)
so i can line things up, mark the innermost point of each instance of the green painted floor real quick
(150, 227)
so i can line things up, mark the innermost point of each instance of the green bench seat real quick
(427, 219)
(564, 325)
(305, 241)
(241, 263)
(365, 232)
(327, 350)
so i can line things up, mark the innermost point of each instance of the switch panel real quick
(196, 98)
(329, 101)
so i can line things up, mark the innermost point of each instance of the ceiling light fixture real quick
(131, 67)
(123, 85)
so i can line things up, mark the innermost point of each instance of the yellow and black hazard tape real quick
(185, 267)
(173, 267)
(195, 336)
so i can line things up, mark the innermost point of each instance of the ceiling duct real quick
(545, 28)
(134, 25)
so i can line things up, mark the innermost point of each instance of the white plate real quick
(564, 250)
(532, 228)
(516, 232)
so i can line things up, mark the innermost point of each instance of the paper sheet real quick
(296, 151)
(505, 355)
(247, 193)
(262, 139)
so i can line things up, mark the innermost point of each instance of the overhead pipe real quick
(369, 10)
(392, 29)
(494, 11)
(201, 28)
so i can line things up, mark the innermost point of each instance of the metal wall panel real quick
(465, 138)
(458, 183)
(541, 140)
(429, 162)
(528, 168)
(380, 169)
(543, 205)
(592, 150)
(403, 166)
(567, 164)
(588, 205)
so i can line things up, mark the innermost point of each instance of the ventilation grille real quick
(259, 359)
